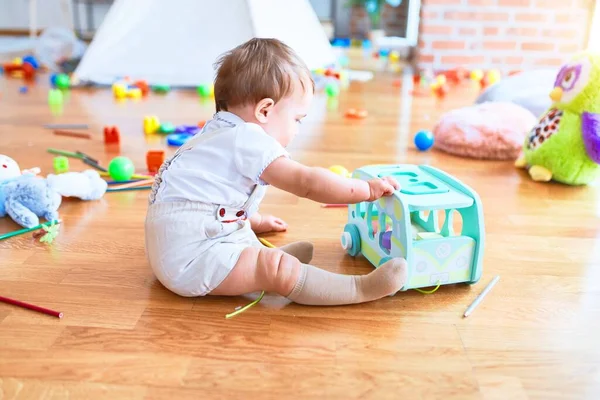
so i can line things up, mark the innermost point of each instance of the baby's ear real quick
(263, 109)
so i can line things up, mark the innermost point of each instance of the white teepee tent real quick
(176, 42)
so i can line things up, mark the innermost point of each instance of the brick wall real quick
(503, 34)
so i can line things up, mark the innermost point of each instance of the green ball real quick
(332, 90)
(63, 81)
(204, 90)
(121, 168)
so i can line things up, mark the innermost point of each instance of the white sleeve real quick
(254, 150)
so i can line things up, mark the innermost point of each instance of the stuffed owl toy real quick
(564, 145)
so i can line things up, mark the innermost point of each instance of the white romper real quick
(196, 225)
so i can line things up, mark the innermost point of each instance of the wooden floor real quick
(124, 336)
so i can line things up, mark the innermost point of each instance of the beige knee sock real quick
(303, 251)
(316, 286)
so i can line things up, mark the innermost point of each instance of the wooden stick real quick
(81, 135)
(31, 307)
(127, 189)
(66, 126)
(479, 298)
(26, 230)
(134, 184)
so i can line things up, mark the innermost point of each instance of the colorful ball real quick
(424, 140)
(206, 90)
(121, 168)
(332, 90)
(476, 74)
(62, 81)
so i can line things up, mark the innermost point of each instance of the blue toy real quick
(178, 139)
(424, 140)
(23, 89)
(408, 224)
(31, 60)
(25, 197)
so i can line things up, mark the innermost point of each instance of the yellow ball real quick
(493, 76)
(476, 74)
(339, 170)
(394, 56)
(440, 79)
(17, 61)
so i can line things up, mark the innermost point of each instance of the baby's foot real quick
(385, 280)
(303, 251)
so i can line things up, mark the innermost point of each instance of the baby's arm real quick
(322, 185)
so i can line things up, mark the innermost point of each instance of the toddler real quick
(202, 217)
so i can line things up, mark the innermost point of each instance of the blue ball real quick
(424, 140)
(31, 60)
(23, 89)
(53, 79)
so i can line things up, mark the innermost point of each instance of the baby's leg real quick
(273, 270)
(303, 251)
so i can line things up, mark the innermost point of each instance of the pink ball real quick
(493, 130)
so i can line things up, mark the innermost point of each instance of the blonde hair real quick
(258, 69)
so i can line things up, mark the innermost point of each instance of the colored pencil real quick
(65, 153)
(334, 205)
(134, 176)
(93, 164)
(134, 184)
(86, 156)
(266, 243)
(26, 230)
(127, 189)
(81, 135)
(479, 298)
(122, 182)
(31, 307)
(66, 126)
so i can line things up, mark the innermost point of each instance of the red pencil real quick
(334, 205)
(82, 135)
(31, 307)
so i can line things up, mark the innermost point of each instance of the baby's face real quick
(284, 120)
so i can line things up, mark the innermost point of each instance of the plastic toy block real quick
(28, 71)
(134, 93)
(112, 135)
(119, 90)
(143, 86)
(154, 159)
(151, 124)
(61, 164)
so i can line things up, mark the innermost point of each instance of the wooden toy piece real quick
(61, 164)
(134, 93)
(151, 124)
(154, 159)
(119, 90)
(143, 86)
(357, 114)
(112, 135)
(422, 228)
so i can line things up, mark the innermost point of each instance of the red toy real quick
(154, 159)
(143, 86)
(26, 70)
(112, 135)
(358, 114)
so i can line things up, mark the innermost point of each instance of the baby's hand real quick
(382, 187)
(269, 223)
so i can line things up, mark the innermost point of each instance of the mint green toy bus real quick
(418, 222)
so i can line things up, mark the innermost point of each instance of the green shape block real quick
(161, 88)
(167, 127)
(55, 97)
(61, 164)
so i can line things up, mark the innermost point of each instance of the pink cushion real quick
(493, 130)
